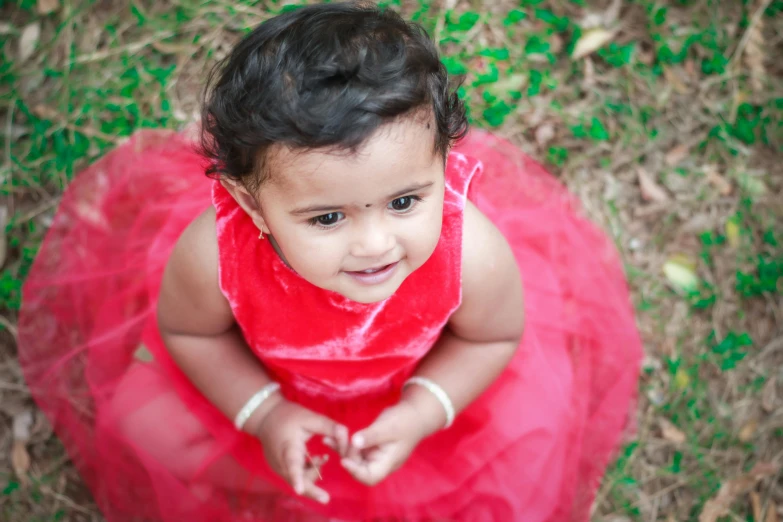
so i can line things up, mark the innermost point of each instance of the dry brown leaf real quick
(755, 505)
(671, 432)
(47, 6)
(28, 41)
(651, 191)
(20, 460)
(676, 155)
(720, 183)
(768, 395)
(718, 505)
(45, 112)
(674, 80)
(591, 41)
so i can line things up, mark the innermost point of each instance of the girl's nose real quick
(374, 240)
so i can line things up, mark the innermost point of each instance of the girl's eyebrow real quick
(411, 188)
(332, 208)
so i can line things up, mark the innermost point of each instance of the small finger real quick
(343, 442)
(379, 433)
(329, 442)
(294, 459)
(314, 492)
(357, 470)
(318, 424)
(369, 473)
(353, 453)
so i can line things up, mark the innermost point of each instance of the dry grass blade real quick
(754, 51)
(755, 505)
(732, 489)
(3, 238)
(769, 395)
(772, 512)
(612, 12)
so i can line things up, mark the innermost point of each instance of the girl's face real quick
(356, 224)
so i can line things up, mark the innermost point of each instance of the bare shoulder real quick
(198, 242)
(492, 302)
(190, 299)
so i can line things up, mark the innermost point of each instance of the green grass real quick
(671, 75)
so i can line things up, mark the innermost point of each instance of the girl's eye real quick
(328, 220)
(404, 203)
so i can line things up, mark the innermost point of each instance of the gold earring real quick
(261, 235)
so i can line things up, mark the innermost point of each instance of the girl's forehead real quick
(398, 151)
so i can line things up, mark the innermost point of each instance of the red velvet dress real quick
(150, 447)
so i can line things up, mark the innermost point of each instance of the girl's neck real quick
(277, 250)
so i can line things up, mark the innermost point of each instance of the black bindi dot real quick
(367, 205)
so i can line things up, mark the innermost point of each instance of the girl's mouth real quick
(374, 276)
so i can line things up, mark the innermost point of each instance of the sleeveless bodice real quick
(326, 350)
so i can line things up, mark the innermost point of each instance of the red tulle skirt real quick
(555, 417)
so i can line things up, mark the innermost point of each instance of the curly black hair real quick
(322, 76)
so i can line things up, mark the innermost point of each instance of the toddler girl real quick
(333, 327)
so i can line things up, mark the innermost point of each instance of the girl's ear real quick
(248, 203)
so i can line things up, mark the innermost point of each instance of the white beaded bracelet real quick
(254, 403)
(439, 394)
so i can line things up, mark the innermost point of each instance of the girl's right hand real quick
(284, 432)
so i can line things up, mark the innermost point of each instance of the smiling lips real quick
(374, 276)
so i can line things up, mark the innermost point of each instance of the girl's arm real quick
(198, 327)
(483, 334)
(199, 330)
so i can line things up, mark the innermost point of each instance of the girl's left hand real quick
(385, 445)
